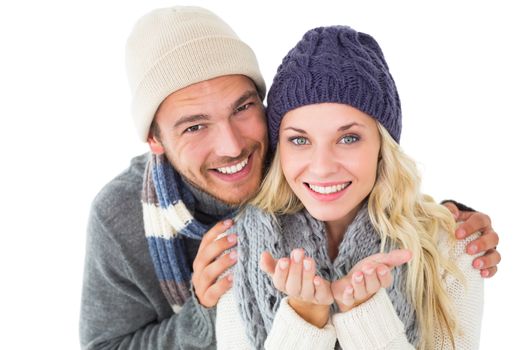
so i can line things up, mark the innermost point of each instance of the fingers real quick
(473, 222)
(205, 283)
(358, 284)
(376, 276)
(488, 273)
(367, 277)
(307, 285)
(211, 272)
(371, 280)
(368, 281)
(343, 292)
(348, 296)
(267, 263)
(323, 292)
(361, 284)
(209, 253)
(216, 230)
(211, 247)
(338, 289)
(488, 240)
(394, 258)
(294, 280)
(385, 276)
(465, 215)
(216, 290)
(210, 262)
(295, 276)
(281, 274)
(453, 209)
(491, 259)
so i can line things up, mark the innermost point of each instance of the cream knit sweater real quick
(372, 325)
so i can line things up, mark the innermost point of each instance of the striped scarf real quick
(168, 206)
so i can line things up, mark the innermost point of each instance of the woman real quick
(373, 263)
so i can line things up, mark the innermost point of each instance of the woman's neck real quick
(336, 230)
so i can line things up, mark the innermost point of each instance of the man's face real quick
(214, 134)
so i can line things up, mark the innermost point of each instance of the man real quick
(197, 101)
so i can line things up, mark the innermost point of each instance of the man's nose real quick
(229, 142)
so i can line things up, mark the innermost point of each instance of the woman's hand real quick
(309, 295)
(367, 277)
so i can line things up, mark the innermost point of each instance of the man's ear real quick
(154, 145)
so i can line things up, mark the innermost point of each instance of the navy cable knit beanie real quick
(335, 64)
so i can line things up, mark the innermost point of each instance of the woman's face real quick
(329, 155)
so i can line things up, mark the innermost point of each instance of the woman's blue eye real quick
(300, 141)
(349, 139)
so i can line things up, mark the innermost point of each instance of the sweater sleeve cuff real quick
(461, 206)
(371, 325)
(203, 317)
(291, 331)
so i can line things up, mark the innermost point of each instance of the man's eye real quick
(243, 107)
(194, 128)
(349, 139)
(300, 141)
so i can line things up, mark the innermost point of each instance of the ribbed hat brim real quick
(211, 57)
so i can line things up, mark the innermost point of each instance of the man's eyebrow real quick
(203, 117)
(247, 95)
(191, 119)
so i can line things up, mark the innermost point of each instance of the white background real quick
(66, 130)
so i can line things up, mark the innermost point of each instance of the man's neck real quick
(206, 204)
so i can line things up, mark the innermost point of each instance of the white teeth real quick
(234, 168)
(329, 189)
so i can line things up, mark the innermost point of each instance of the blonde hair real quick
(402, 214)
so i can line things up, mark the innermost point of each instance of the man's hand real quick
(209, 264)
(487, 242)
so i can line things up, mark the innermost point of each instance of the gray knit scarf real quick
(258, 231)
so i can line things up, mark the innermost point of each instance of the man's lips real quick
(231, 173)
(233, 168)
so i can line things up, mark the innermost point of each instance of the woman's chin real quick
(326, 215)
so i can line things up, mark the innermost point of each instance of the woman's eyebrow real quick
(342, 128)
(348, 126)
(301, 131)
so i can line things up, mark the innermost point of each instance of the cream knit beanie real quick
(172, 48)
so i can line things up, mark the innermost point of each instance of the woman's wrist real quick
(314, 314)
(345, 308)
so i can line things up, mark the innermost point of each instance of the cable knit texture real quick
(373, 325)
(258, 231)
(335, 64)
